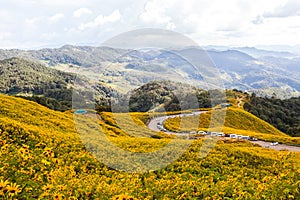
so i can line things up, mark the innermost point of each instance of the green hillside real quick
(282, 113)
(172, 96)
(47, 86)
(43, 157)
(33, 81)
(18, 75)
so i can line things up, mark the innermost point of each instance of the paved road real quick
(155, 122)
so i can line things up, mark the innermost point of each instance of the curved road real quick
(155, 122)
(158, 121)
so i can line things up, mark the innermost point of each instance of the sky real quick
(33, 24)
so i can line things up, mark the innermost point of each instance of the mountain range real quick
(262, 71)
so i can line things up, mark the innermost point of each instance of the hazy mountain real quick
(242, 68)
(258, 53)
(75, 55)
(295, 49)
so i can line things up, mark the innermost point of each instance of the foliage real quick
(283, 114)
(36, 82)
(172, 96)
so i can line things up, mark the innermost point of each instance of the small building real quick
(225, 105)
(80, 111)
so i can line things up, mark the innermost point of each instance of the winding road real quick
(155, 123)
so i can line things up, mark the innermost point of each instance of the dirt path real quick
(239, 101)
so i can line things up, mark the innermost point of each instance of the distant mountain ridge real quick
(243, 68)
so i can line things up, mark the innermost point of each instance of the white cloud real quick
(290, 8)
(56, 3)
(4, 35)
(230, 22)
(81, 11)
(101, 20)
(56, 17)
(155, 12)
(48, 36)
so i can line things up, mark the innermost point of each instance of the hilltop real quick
(168, 96)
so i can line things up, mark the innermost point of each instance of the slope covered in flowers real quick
(43, 157)
(236, 121)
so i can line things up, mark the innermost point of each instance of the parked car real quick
(220, 134)
(274, 143)
(234, 136)
(245, 138)
(214, 134)
(202, 132)
(239, 136)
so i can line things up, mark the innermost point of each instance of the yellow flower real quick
(48, 152)
(25, 146)
(3, 184)
(13, 189)
(57, 196)
(47, 187)
(123, 197)
(45, 162)
(41, 144)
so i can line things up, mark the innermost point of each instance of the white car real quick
(202, 132)
(220, 134)
(245, 138)
(214, 134)
(239, 137)
(274, 143)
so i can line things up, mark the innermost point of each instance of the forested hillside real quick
(172, 96)
(283, 114)
(34, 81)
(46, 86)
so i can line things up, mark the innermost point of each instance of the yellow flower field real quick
(43, 157)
